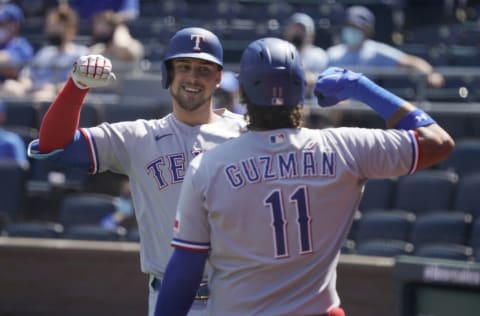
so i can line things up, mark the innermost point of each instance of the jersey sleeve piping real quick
(92, 150)
(415, 143)
(190, 246)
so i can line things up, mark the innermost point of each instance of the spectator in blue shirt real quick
(52, 64)
(357, 49)
(15, 50)
(12, 146)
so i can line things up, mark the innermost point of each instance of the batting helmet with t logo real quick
(271, 73)
(192, 42)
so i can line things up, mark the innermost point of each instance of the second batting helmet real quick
(192, 42)
(271, 73)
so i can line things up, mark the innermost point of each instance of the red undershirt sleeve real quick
(62, 117)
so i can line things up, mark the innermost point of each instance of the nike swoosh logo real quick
(158, 137)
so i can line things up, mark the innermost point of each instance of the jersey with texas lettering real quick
(273, 208)
(155, 155)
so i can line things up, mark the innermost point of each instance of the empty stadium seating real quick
(464, 158)
(425, 191)
(384, 248)
(441, 227)
(12, 189)
(388, 224)
(378, 194)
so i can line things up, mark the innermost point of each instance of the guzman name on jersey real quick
(293, 164)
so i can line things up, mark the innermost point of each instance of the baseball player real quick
(271, 209)
(154, 154)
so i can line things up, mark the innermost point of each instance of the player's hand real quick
(92, 71)
(335, 85)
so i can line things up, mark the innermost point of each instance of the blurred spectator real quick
(358, 50)
(52, 64)
(300, 31)
(112, 39)
(125, 10)
(15, 50)
(37, 8)
(124, 216)
(12, 146)
(227, 94)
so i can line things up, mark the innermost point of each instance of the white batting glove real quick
(92, 71)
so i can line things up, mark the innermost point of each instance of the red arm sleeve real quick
(61, 119)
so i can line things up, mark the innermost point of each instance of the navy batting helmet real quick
(271, 73)
(192, 42)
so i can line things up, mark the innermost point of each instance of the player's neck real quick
(203, 115)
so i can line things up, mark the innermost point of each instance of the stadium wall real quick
(66, 277)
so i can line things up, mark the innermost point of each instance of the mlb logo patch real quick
(277, 101)
(277, 138)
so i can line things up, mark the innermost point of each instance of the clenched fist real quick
(92, 71)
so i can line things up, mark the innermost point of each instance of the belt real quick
(202, 292)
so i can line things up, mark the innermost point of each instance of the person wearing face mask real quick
(300, 31)
(51, 65)
(358, 50)
(15, 50)
(112, 39)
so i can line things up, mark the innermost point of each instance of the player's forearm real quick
(61, 120)
(182, 277)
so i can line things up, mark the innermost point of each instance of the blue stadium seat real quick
(445, 251)
(81, 215)
(388, 224)
(441, 227)
(464, 158)
(467, 197)
(456, 123)
(22, 113)
(33, 230)
(85, 209)
(384, 248)
(12, 188)
(474, 239)
(93, 232)
(425, 191)
(378, 194)
(133, 235)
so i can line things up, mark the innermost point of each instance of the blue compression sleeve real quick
(180, 282)
(379, 99)
(74, 155)
(414, 120)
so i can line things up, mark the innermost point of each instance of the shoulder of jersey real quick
(235, 117)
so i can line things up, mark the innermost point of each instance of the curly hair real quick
(267, 117)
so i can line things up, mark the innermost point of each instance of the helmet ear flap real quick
(165, 74)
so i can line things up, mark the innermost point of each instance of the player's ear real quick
(219, 77)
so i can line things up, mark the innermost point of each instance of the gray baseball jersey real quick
(154, 155)
(274, 208)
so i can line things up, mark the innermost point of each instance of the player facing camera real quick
(272, 84)
(191, 42)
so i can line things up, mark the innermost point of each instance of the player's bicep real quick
(74, 155)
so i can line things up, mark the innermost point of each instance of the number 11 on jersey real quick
(299, 198)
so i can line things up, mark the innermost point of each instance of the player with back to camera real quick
(271, 209)
(154, 154)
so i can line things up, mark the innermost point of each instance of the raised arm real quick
(61, 120)
(337, 84)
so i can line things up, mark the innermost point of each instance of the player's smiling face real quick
(193, 82)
